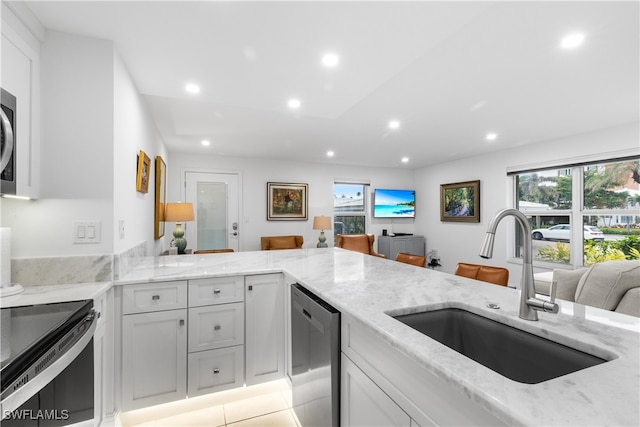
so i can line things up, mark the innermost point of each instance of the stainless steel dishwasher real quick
(315, 348)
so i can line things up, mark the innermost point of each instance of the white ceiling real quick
(450, 72)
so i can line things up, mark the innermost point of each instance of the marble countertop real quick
(367, 287)
(47, 294)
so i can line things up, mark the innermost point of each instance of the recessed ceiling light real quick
(294, 103)
(206, 142)
(491, 136)
(405, 160)
(572, 40)
(192, 88)
(330, 60)
(394, 124)
(330, 153)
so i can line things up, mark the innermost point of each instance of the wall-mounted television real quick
(394, 203)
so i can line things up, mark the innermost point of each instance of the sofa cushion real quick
(606, 283)
(630, 303)
(282, 242)
(567, 282)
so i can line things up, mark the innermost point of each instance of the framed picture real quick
(287, 202)
(161, 192)
(460, 202)
(144, 167)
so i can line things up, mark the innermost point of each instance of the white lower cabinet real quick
(222, 331)
(215, 370)
(264, 345)
(154, 353)
(363, 403)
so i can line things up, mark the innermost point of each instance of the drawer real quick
(216, 290)
(215, 370)
(216, 326)
(154, 297)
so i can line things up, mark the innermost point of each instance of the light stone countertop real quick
(47, 294)
(366, 287)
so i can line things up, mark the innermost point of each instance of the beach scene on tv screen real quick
(394, 204)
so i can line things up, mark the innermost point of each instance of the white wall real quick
(134, 131)
(255, 175)
(94, 123)
(460, 242)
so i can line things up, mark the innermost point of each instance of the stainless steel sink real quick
(511, 352)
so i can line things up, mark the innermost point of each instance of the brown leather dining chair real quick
(418, 260)
(270, 243)
(484, 273)
(362, 243)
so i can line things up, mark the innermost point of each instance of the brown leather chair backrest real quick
(270, 243)
(418, 260)
(212, 251)
(485, 273)
(362, 243)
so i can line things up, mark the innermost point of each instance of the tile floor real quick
(262, 405)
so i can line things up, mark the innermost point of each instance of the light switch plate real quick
(87, 232)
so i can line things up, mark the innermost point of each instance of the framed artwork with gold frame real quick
(287, 202)
(460, 202)
(142, 175)
(161, 192)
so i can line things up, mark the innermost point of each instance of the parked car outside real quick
(563, 232)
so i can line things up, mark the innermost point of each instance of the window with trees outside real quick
(349, 208)
(601, 199)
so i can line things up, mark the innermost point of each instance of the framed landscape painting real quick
(460, 202)
(287, 202)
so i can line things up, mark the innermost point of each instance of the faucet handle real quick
(552, 291)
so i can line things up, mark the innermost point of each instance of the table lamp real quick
(322, 223)
(178, 213)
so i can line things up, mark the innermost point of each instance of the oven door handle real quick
(7, 148)
(24, 393)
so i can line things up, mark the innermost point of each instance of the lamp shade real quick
(179, 212)
(322, 223)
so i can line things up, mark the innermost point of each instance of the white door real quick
(215, 198)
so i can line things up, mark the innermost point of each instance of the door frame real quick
(238, 173)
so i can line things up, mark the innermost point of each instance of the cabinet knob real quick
(217, 327)
(216, 370)
(181, 322)
(250, 287)
(216, 291)
(155, 297)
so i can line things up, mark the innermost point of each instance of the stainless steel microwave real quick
(8, 173)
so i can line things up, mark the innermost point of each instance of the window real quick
(601, 199)
(349, 208)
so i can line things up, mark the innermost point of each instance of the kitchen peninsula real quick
(365, 288)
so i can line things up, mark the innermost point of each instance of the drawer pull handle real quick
(216, 291)
(155, 297)
(217, 327)
(216, 370)
(181, 322)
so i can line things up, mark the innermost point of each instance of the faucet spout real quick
(529, 304)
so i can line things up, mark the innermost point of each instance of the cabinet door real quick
(216, 326)
(216, 370)
(264, 298)
(154, 358)
(362, 403)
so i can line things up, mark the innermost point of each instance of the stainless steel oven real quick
(47, 364)
(8, 152)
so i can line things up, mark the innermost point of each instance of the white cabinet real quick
(363, 403)
(264, 299)
(20, 70)
(154, 344)
(216, 326)
(391, 246)
(215, 370)
(103, 358)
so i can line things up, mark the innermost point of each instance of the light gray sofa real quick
(611, 285)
